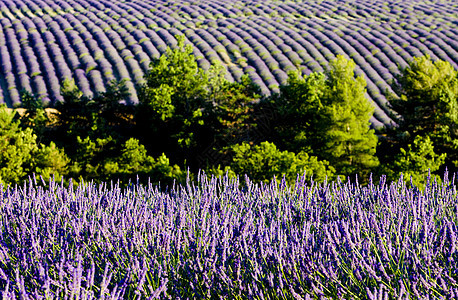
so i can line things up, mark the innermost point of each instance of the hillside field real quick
(94, 42)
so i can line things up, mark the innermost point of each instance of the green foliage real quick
(93, 132)
(427, 97)
(161, 101)
(218, 172)
(188, 109)
(50, 160)
(69, 90)
(319, 122)
(177, 69)
(174, 95)
(164, 172)
(99, 117)
(349, 143)
(425, 106)
(35, 116)
(92, 129)
(99, 160)
(73, 112)
(21, 155)
(418, 160)
(263, 161)
(108, 114)
(93, 158)
(16, 148)
(328, 115)
(298, 105)
(233, 105)
(135, 161)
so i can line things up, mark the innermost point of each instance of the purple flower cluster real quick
(221, 238)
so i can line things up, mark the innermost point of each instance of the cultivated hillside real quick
(96, 41)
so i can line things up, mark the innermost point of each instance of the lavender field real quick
(220, 239)
(42, 42)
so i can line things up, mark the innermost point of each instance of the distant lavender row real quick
(96, 41)
(219, 239)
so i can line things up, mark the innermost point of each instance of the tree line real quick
(190, 119)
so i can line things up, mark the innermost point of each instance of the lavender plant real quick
(229, 238)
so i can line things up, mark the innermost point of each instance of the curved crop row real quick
(42, 42)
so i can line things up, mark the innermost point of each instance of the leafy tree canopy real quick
(298, 105)
(349, 143)
(328, 115)
(427, 95)
(262, 162)
(188, 109)
(426, 106)
(417, 160)
(97, 117)
(175, 91)
(21, 155)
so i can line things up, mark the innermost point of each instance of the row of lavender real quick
(219, 239)
(93, 42)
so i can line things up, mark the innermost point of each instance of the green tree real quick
(109, 115)
(327, 115)
(189, 109)
(103, 160)
(93, 158)
(425, 104)
(349, 143)
(417, 160)
(92, 130)
(50, 160)
(229, 117)
(233, 104)
(72, 113)
(102, 116)
(134, 161)
(21, 155)
(298, 106)
(263, 161)
(426, 97)
(34, 115)
(173, 97)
